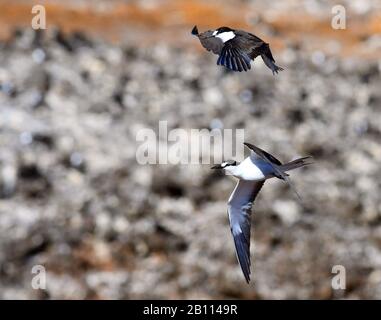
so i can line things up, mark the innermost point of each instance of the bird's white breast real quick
(247, 170)
(226, 36)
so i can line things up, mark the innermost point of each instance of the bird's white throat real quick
(226, 36)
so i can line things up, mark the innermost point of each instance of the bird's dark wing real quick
(211, 43)
(234, 58)
(239, 211)
(276, 165)
(263, 154)
(254, 46)
(279, 171)
(237, 52)
(270, 159)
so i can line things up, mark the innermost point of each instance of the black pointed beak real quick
(217, 166)
(195, 31)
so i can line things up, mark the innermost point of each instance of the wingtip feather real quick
(243, 255)
(249, 145)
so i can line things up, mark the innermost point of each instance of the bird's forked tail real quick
(269, 60)
(297, 163)
(270, 64)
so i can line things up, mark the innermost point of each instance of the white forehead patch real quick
(226, 36)
(223, 164)
(215, 32)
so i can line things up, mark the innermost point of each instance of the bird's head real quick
(228, 165)
(222, 30)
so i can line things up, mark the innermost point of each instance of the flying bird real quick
(236, 48)
(252, 174)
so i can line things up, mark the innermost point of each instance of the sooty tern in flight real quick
(252, 174)
(236, 48)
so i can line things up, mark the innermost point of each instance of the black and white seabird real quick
(236, 48)
(252, 174)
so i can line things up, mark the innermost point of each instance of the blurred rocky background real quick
(74, 199)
